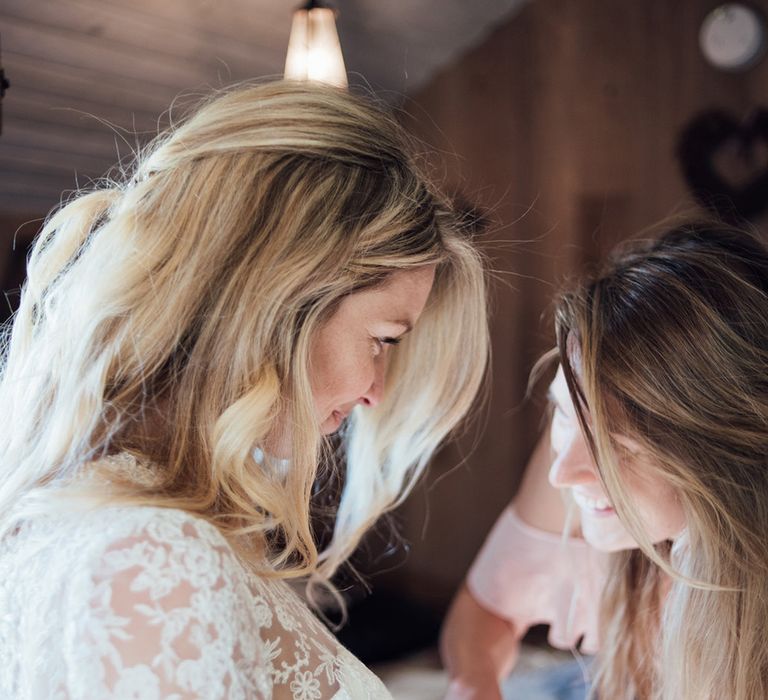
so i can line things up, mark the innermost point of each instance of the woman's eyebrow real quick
(628, 443)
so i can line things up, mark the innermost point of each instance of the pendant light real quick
(314, 51)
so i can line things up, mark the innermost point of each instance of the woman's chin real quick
(606, 534)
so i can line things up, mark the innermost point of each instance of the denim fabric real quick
(564, 681)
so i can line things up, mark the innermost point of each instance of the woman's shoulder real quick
(164, 594)
(130, 550)
(144, 531)
(171, 572)
(92, 532)
(126, 548)
(170, 526)
(106, 524)
(146, 598)
(156, 597)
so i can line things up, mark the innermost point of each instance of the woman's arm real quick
(478, 646)
(478, 649)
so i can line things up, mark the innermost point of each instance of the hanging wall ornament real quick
(725, 163)
(733, 37)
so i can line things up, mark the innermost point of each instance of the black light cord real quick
(4, 82)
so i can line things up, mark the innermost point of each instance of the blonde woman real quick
(277, 269)
(659, 435)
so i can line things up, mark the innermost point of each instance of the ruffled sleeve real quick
(531, 577)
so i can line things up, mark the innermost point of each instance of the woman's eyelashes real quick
(379, 343)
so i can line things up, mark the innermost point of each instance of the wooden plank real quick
(76, 82)
(56, 161)
(26, 205)
(187, 37)
(36, 175)
(233, 18)
(16, 233)
(75, 127)
(88, 113)
(96, 144)
(13, 187)
(118, 99)
(80, 50)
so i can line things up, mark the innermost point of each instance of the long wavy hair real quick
(673, 339)
(185, 298)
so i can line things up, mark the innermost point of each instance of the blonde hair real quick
(189, 294)
(673, 338)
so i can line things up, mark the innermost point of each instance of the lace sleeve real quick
(158, 606)
(167, 615)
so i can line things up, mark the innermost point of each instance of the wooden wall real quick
(16, 234)
(562, 126)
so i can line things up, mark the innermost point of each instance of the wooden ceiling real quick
(92, 78)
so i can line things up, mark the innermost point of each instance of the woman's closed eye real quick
(379, 343)
(627, 446)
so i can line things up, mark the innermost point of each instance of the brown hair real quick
(673, 338)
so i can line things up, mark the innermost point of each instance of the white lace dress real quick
(150, 603)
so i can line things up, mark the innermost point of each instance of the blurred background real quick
(561, 127)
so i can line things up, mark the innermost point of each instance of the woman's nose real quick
(375, 391)
(574, 464)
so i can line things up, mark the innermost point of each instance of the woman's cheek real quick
(352, 379)
(663, 515)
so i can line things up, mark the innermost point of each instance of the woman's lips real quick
(597, 507)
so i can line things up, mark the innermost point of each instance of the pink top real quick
(532, 577)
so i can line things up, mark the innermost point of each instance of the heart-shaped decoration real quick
(725, 163)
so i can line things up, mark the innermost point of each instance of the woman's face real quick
(574, 468)
(350, 352)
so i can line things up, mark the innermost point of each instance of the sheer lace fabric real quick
(149, 603)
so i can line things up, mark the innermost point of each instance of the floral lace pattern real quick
(146, 603)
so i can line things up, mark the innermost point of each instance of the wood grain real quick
(562, 125)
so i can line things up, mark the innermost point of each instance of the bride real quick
(275, 270)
